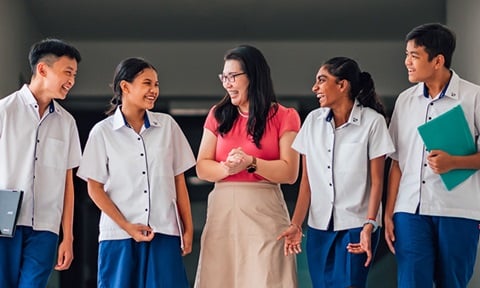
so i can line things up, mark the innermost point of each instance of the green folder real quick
(449, 132)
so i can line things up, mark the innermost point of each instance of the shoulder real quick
(285, 112)
(63, 112)
(411, 91)
(9, 100)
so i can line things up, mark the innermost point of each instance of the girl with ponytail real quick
(343, 146)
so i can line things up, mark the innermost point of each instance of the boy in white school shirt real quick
(432, 231)
(39, 147)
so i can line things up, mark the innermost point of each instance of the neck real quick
(341, 113)
(134, 117)
(436, 85)
(43, 100)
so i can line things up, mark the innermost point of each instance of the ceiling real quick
(215, 20)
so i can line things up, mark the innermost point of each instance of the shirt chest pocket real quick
(52, 153)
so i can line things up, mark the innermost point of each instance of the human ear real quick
(124, 86)
(440, 60)
(41, 69)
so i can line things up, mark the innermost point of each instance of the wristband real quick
(373, 222)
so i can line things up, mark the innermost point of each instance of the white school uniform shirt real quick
(338, 164)
(419, 186)
(35, 155)
(137, 170)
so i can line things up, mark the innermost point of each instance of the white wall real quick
(191, 68)
(17, 34)
(464, 18)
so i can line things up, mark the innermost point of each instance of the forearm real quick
(105, 204)
(68, 206)
(392, 190)
(467, 162)
(303, 200)
(183, 203)
(210, 170)
(278, 171)
(377, 167)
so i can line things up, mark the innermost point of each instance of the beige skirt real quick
(238, 245)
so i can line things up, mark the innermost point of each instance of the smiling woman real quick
(245, 149)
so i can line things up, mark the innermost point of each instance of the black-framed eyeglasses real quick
(230, 77)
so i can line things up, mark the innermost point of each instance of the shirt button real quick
(36, 158)
(141, 154)
(329, 150)
(144, 191)
(328, 166)
(38, 140)
(143, 172)
(429, 118)
(423, 181)
(431, 104)
(146, 209)
(330, 184)
(425, 165)
(138, 138)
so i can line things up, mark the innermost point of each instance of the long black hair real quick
(261, 96)
(126, 70)
(362, 87)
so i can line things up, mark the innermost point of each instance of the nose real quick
(315, 88)
(408, 60)
(226, 84)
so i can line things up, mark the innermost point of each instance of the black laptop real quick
(10, 202)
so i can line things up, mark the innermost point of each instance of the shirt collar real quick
(29, 99)
(450, 90)
(354, 118)
(120, 121)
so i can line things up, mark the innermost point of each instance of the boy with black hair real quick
(432, 231)
(39, 147)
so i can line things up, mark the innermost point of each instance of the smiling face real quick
(58, 76)
(142, 92)
(328, 90)
(238, 89)
(419, 68)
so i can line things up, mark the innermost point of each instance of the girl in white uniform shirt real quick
(134, 162)
(343, 146)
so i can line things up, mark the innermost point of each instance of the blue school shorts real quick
(27, 259)
(434, 249)
(127, 263)
(329, 262)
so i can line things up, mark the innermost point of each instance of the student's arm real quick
(377, 166)
(392, 191)
(139, 232)
(185, 212)
(293, 234)
(65, 249)
(442, 162)
(207, 168)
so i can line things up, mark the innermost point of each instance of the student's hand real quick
(140, 232)
(65, 255)
(293, 240)
(389, 232)
(187, 243)
(365, 245)
(440, 161)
